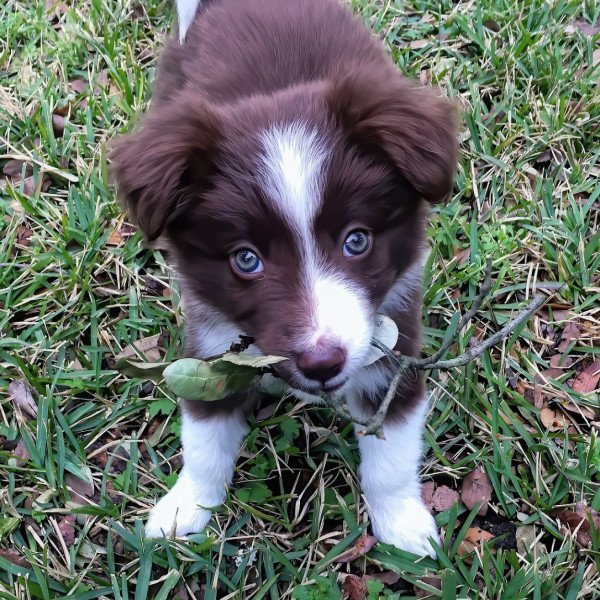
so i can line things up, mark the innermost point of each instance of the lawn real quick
(85, 451)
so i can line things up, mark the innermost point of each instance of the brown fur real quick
(188, 173)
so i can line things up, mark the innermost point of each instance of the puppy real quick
(289, 167)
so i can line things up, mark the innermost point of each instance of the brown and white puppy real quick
(288, 165)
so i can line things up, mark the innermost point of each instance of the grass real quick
(76, 288)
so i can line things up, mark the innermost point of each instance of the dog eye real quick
(358, 242)
(247, 262)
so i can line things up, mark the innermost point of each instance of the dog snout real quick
(322, 363)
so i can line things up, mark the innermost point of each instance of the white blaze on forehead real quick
(292, 170)
(292, 173)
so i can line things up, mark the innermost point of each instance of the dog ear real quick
(412, 126)
(152, 165)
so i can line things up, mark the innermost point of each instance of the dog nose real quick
(323, 363)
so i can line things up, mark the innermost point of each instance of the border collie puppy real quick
(288, 166)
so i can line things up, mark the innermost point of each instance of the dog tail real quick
(186, 11)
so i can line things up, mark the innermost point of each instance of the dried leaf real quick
(58, 125)
(14, 168)
(587, 381)
(354, 588)
(361, 547)
(149, 347)
(22, 397)
(387, 577)
(20, 453)
(115, 238)
(433, 582)
(79, 86)
(444, 498)
(476, 487)
(586, 28)
(462, 257)
(255, 362)
(579, 521)
(418, 44)
(15, 558)
(474, 538)
(66, 529)
(553, 420)
(427, 491)
(79, 489)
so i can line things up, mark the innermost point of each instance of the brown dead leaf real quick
(386, 577)
(79, 489)
(364, 543)
(354, 588)
(432, 581)
(474, 538)
(462, 257)
(115, 238)
(578, 409)
(14, 168)
(418, 44)
(570, 332)
(560, 361)
(444, 498)
(553, 420)
(20, 453)
(23, 235)
(427, 491)
(79, 86)
(58, 124)
(15, 558)
(66, 529)
(55, 10)
(149, 347)
(587, 381)
(22, 397)
(578, 521)
(491, 25)
(476, 488)
(586, 28)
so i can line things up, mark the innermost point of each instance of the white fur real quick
(390, 483)
(186, 11)
(340, 316)
(292, 171)
(210, 448)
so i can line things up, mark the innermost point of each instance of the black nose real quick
(322, 364)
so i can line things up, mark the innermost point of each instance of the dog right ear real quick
(152, 165)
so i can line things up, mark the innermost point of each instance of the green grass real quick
(72, 297)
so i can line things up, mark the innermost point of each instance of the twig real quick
(409, 364)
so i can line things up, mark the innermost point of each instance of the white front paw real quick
(406, 524)
(178, 513)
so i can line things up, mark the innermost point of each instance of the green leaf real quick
(255, 494)
(142, 370)
(256, 362)
(8, 525)
(195, 379)
(163, 406)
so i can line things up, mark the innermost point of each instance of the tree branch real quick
(408, 364)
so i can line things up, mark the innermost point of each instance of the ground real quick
(85, 451)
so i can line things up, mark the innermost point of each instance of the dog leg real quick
(210, 448)
(390, 483)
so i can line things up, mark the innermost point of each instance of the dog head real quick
(296, 217)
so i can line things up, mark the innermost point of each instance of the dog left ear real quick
(412, 126)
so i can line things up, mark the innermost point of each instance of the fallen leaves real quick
(150, 348)
(474, 539)
(21, 395)
(476, 488)
(363, 545)
(553, 420)
(587, 380)
(578, 522)
(444, 498)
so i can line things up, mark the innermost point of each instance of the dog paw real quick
(408, 525)
(178, 513)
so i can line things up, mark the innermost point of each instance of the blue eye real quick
(357, 242)
(247, 262)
